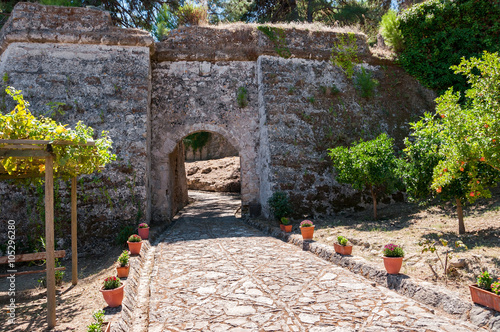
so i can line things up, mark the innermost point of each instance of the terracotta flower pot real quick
(134, 247)
(288, 228)
(122, 271)
(343, 250)
(106, 326)
(113, 297)
(143, 233)
(393, 264)
(484, 297)
(307, 232)
(282, 227)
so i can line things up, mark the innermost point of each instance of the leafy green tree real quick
(367, 165)
(389, 29)
(460, 142)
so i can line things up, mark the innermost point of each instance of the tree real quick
(457, 149)
(367, 165)
(389, 29)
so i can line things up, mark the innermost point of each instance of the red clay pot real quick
(143, 233)
(393, 264)
(113, 297)
(307, 232)
(282, 227)
(484, 297)
(134, 247)
(122, 271)
(343, 250)
(288, 228)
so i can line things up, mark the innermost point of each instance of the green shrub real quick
(242, 97)
(279, 205)
(124, 234)
(367, 165)
(189, 14)
(365, 83)
(389, 29)
(438, 33)
(345, 53)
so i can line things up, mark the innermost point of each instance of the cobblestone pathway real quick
(214, 273)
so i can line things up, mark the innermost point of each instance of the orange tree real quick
(73, 157)
(367, 165)
(455, 152)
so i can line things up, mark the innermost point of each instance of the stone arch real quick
(169, 186)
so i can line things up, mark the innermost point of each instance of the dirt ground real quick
(408, 224)
(75, 305)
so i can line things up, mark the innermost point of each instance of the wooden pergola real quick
(42, 150)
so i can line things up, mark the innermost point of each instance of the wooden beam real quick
(49, 241)
(74, 247)
(23, 146)
(32, 257)
(43, 142)
(6, 153)
(30, 272)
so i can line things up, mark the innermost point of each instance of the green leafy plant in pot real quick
(393, 258)
(123, 267)
(134, 244)
(143, 231)
(486, 292)
(286, 225)
(307, 229)
(342, 246)
(112, 291)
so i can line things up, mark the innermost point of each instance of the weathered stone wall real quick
(106, 86)
(216, 147)
(302, 116)
(189, 97)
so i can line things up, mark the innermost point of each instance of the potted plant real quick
(112, 291)
(143, 231)
(393, 258)
(486, 292)
(123, 267)
(342, 246)
(286, 225)
(134, 244)
(99, 325)
(307, 229)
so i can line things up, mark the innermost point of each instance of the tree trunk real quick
(460, 213)
(374, 197)
(310, 5)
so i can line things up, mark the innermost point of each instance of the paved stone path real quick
(212, 272)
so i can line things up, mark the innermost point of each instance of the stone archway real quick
(189, 97)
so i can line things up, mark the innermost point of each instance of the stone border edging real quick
(126, 319)
(422, 292)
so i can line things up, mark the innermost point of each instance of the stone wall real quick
(216, 147)
(302, 115)
(102, 83)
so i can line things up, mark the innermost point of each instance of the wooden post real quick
(74, 249)
(49, 241)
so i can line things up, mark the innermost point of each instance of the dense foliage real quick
(70, 160)
(279, 205)
(438, 33)
(367, 165)
(389, 29)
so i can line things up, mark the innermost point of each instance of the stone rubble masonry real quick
(152, 95)
(422, 292)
